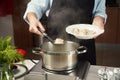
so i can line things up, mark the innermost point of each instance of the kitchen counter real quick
(92, 73)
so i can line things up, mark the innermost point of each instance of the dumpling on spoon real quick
(59, 41)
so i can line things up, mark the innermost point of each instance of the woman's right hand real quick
(34, 24)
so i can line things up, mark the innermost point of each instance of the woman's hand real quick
(99, 22)
(34, 24)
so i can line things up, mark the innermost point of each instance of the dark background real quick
(111, 3)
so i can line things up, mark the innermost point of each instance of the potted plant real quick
(8, 55)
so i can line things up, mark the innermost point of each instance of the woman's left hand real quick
(99, 22)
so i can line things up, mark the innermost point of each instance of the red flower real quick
(21, 51)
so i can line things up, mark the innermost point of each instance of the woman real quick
(62, 13)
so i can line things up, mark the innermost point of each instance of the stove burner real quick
(63, 72)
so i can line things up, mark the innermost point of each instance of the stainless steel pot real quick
(61, 56)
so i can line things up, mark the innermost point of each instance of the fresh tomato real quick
(21, 51)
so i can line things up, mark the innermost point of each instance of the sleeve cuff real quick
(104, 16)
(32, 9)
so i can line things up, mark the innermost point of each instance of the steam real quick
(59, 20)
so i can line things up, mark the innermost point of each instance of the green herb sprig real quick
(8, 52)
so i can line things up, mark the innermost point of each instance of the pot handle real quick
(37, 50)
(81, 49)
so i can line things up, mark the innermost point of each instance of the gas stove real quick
(39, 72)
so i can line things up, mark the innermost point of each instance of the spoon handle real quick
(45, 34)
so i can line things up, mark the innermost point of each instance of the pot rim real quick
(60, 53)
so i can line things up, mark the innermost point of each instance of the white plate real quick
(84, 31)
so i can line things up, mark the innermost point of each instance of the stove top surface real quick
(80, 71)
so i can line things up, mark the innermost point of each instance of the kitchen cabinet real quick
(108, 54)
(22, 37)
(108, 44)
(118, 33)
(111, 34)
